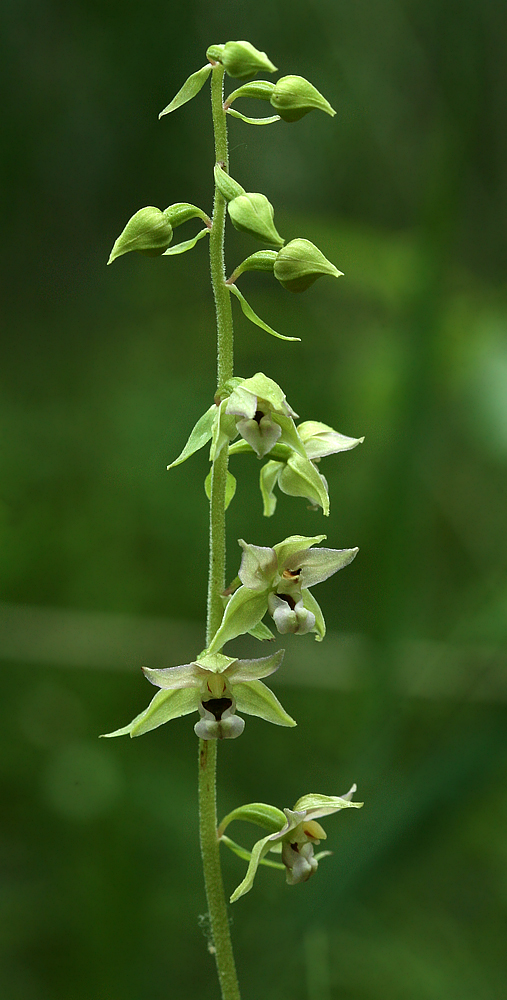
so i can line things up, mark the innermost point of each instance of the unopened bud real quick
(300, 263)
(293, 97)
(149, 231)
(241, 60)
(253, 214)
(226, 184)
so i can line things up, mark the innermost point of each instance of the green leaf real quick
(187, 244)
(249, 313)
(190, 88)
(253, 121)
(230, 487)
(246, 855)
(267, 481)
(254, 698)
(259, 813)
(200, 435)
(166, 705)
(243, 612)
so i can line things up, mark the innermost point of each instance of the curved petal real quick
(294, 544)
(319, 564)
(315, 806)
(172, 678)
(312, 605)
(300, 478)
(258, 566)
(261, 436)
(321, 440)
(166, 705)
(258, 851)
(267, 481)
(250, 670)
(254, 698)
(243, 612)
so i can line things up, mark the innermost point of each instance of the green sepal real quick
(216, 662)
(182, 212)
(259, 813)
(290, 435)
(230, 487)
(249, 313)
(260, 89)
(320, 440)
(300, 263)
(262, 632)
(253, 214)
(253, 121)
(264, 387)
(246, 855)
(293, 97)
(324, 805)
(187, 244)
(300, 478)
(255, 698)
(200, 435)
(258, 851)
(242, 613)
(312, 605)
(240, 60)
(228, 187)
(190, 88)
(149, 231)
(268, 479)
(295, 543)
(263, 260)
(166, 705)
(223, 431)
(241, 447)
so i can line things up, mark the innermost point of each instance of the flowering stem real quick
(216, 581)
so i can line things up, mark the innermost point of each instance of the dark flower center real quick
(290, 600)
(217, 706)
(258, 415)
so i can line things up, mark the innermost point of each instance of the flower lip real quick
(217, 706)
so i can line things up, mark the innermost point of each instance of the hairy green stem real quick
(216, 582)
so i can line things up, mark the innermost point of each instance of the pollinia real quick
(251, 416)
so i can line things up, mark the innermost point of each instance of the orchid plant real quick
(247, 416)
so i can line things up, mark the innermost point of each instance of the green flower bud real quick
(294, 97)
(300, 263)
(149, 231)
(240, 59)
(253, 214)
(226, 184)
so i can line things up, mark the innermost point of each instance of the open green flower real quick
(254, 407)
(293, 834)
(299, 477)
(216, 686)
(278, 580)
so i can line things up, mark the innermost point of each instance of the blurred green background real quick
(104, 553)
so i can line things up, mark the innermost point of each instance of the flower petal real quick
(294, 543)
(258, 851)
(243, 612)
(311, 604)
(199, 437)
(268, 479)
(172, 678)
(254, 698)
(323, 805)
(265, 388)
(261, 436)
(250, 670)
(319, 564)
(300, 478)
(258, 566)
(166, 705)
(242, 402)
(320, 440)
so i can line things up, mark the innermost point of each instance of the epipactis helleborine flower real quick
(278, 580)
(216, 686)
(295, 833)
(257, 409)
